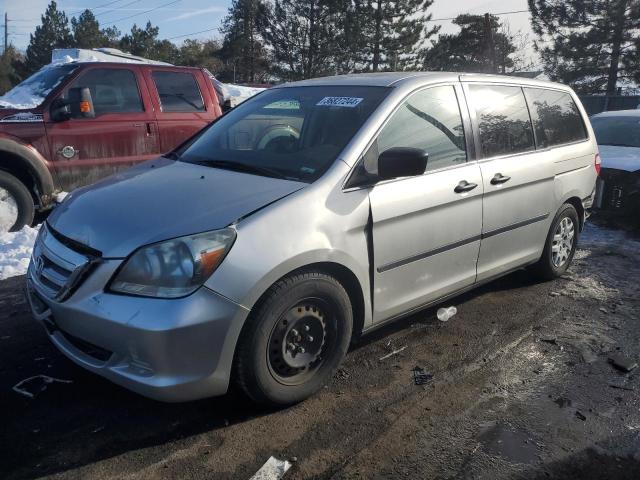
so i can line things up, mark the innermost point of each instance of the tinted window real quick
(617, 131)
(429, 120)
(556, 118)
(505, 127)
(113, 90)
(178, 92)
(293, 132)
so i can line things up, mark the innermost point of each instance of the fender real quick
(35, 163)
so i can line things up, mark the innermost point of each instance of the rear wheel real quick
(16, 204)
(295, 340)
(561, 244)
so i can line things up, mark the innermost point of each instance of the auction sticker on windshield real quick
(348, 102)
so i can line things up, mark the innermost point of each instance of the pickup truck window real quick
(113, 90)
(294, 132)
(178, 92)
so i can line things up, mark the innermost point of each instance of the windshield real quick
(31, 92)
(617, 131)
(294, 133)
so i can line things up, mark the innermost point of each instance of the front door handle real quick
(498, 178)
(464, 186)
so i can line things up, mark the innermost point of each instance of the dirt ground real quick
(522, 388)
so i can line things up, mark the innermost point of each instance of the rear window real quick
(503, 117)
(617, 131)
(178, 92)
(556, 118)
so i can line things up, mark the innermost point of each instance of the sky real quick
(180, 19)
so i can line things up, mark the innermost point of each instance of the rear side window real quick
(556, 118)
(503, 117)
(113, 90)
(430, 120)
(178, 92)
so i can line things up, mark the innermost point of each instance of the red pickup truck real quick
(73, 123)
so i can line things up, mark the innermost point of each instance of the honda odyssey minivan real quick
(309, 215)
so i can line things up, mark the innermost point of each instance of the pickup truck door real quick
(122, 133)
(183, 103)
(426, 229)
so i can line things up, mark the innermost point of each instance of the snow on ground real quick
(15, 251)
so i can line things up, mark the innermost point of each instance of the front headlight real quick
(173, 268)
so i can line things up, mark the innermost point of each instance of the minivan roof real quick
(395, 79)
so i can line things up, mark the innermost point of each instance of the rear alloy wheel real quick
(561, 243)
(16, 204)
(294, 339)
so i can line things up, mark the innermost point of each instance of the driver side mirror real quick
(402, 162)
(78, 105)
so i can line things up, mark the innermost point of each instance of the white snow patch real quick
(15, 251)
(273, 469)
(61, 196)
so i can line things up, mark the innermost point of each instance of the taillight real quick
(597, 163)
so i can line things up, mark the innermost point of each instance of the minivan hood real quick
(161, 199)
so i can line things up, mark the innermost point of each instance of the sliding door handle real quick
(498, 179)
(464, 186)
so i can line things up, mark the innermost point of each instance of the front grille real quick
(55, 268)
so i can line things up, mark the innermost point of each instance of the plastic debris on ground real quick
(622, 362)
(421, 376)
(33, 386)
(391, 354)
(444, 314)
(273, 469)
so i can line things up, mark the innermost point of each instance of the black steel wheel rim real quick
(301, 341)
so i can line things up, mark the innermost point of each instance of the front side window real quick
(429, 120)
(556, 118)
(178, 92)
(113, 90)
(618, 131)
(503, 118)
(294, 132)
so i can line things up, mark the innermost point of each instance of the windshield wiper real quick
(171, 156)
(242, 167)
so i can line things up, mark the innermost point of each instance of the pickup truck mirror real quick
(81, 103)
(60, 110)
(402, 162)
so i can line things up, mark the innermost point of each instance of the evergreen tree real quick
(198, 53)
(52, 33)
(393, 31)
(589, 44)
(10, 61)
(86, 31)
(480, 46)
(145, 43)
(303, 37)
(242, 46)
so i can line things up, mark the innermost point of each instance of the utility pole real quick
(491, 46)
(6, 32)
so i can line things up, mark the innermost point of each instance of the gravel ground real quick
(522, 388)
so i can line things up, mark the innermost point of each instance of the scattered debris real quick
(621, 386)
(604, 310)
(549, 339)
(445, 314)
(395, 352)
(588, 356)
(38, 384)
(580, 415)
(273, 469)
(622, 362)
(563, 402)
(555, 294)
(421, 376)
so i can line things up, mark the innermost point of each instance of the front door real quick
(122, 132)
(426, 229)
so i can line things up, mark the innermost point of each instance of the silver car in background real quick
(311, 214)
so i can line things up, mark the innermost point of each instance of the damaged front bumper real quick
(619, 191)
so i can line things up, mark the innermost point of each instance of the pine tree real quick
(52, 33)
(589, 44)
(394, 30)
(86, 31)
(243, 47)
(9, 75)
(480, 46)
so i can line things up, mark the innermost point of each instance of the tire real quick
(552, 266)
(308, 310)
(14, 195)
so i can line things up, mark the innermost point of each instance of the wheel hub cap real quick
(563, 239)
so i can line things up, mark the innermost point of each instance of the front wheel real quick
(16, 204)
(560, 245)
(295, 339)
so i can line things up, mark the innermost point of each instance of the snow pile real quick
(241, 91)
(15, 251)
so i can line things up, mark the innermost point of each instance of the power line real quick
(116, 9)
(143, 13)
(494, 14)
(93, 8)
(193, 33)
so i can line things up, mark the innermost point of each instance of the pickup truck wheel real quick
(560, 245)
(16, 204)
(295, 339)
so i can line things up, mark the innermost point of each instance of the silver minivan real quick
(309, 215)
